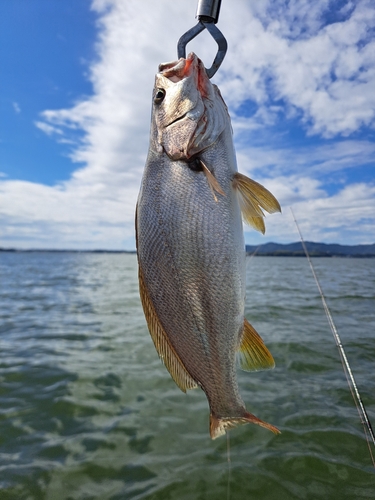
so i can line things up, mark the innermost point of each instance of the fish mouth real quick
(178, 70)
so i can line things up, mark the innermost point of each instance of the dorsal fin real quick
(163, 346)
(252, 197)
(253, 353)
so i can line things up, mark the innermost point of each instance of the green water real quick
(87, 410)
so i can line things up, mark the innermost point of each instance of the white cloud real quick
(340, 156)
(346, 217)
(48, 129)
(327, 73)
(66, 216)
(95, 208)
(320, 73)
(16, 107)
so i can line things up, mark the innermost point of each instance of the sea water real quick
(88, 411)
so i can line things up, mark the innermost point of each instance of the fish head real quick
(189, 113)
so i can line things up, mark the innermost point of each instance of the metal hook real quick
(208, 15)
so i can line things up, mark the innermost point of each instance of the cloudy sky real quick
(75, 96)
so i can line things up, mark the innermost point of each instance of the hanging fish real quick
(190, 243)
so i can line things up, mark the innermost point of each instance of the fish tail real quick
(219, 425)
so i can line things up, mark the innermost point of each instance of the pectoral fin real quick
(252, 197)
(253, 353)
(212, 181)
(163, 346)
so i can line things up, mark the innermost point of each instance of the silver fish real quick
(190, 243)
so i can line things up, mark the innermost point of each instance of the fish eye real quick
(159, 96)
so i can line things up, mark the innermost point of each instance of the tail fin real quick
(218, 426)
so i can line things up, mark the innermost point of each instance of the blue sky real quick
(46, 50)
(75, 87)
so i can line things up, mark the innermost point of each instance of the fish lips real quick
(178, 70)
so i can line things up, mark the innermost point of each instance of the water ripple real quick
(87, 411)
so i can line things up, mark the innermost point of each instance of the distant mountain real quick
(314, 249)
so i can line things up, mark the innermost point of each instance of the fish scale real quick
(190, 242)
(186, 250)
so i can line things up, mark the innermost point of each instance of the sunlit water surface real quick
(88, 411)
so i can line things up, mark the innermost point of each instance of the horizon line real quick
(103, 250)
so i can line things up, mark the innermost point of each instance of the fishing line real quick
(249, 257)
(254, 253)
(229, 465)
(368, 430)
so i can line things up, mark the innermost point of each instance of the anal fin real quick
(253, 197)
(162, 344)
(253, 353)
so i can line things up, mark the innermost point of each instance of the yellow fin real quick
(253, 353)
(162, 344)
(252, 197)
(212, 181)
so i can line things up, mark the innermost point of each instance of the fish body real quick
(190, 243)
